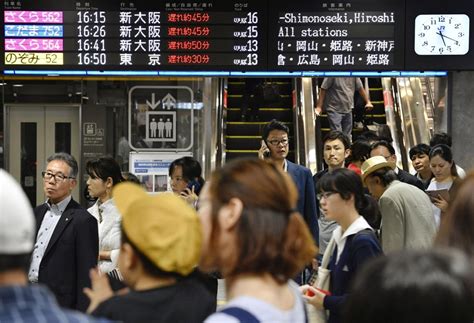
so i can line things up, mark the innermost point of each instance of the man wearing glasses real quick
(66, 246)
(275, 147)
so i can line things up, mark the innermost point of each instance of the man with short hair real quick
(407, 215)
(336, 148)
(420, 159)
(275, 143)
(383, 148)
(20, 302)
(67, 243)
(161, 246)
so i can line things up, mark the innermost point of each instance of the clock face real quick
(442, 34)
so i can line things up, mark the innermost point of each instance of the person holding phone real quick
(186, 179)
(187, 182)
(275, 148)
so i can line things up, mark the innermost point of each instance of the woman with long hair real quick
(104, 173)
(340, 195)
(255, 237)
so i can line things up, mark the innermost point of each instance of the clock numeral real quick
(457, 43)
(432, 48)
(422, 34)
(425, 43)
(460, 34)
(456, 26)
(449, 48)
(433, 21)
(441, 19)
(426, 27)
(441, 50)
(450, 20)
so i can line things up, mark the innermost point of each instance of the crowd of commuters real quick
(259, 223)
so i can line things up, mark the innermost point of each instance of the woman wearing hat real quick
(340, 195)
(256, 239)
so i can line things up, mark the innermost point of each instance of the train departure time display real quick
(90, 36)
(342, 35)
(134, 35)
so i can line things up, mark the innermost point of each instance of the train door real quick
(35, 133)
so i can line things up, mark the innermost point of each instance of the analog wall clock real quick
(442, 34)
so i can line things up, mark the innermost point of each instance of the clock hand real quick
(442, 37)
(448, 37)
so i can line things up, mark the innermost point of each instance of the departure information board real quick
(342, 35)
(135, 35)
(221, 36)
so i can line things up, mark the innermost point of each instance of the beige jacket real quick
(407, 218)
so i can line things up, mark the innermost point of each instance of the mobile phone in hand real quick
(194, 183)
(266, 152)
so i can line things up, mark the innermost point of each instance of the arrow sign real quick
(153, 104)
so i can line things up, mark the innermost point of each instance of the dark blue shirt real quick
(359, 248)
(32, 304)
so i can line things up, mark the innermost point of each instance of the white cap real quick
(17, 222)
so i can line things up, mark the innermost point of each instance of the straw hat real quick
(373, 164)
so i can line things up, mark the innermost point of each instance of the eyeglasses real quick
(58, 178)
(319, 196)
(276, 142)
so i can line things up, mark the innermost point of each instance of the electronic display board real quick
(342, 35)
(231, 36)
(134, 35)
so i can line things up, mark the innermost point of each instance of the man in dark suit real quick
(66, 246)
(383, 148)
(275, 145)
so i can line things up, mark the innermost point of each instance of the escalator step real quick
(265, 114)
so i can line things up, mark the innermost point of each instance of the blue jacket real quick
(357, 251)
(306, 196)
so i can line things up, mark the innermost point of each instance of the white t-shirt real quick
(263, 311)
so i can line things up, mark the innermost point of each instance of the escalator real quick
(377, 115)
(397, 114)
(242, 138)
